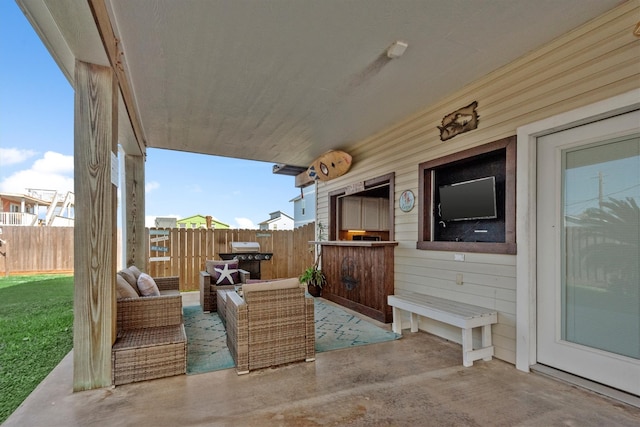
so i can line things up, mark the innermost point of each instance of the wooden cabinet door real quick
(364, 213)
(370, 213)
(351, 213)
(384, 214)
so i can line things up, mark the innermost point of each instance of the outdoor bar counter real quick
(359, 275)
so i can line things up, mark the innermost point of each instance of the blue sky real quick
(36, 145)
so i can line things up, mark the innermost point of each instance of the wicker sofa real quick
(151, 341)
(270, 325)
(208, 287)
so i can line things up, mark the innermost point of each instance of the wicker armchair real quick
(147, 312)
(151, 341)
(208, 288)
(272, 324)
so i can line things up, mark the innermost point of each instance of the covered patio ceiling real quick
(284, 81)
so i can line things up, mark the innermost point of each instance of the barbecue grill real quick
(249, 257)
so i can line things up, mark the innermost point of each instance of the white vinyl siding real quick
(593, 62)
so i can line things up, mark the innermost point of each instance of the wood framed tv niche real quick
(467, 200)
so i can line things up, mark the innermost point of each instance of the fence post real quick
(5, 254)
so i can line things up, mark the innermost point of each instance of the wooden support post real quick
(136, 245)
(95, 145)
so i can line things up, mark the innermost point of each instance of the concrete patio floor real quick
(418, 380)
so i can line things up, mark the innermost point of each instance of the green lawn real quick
(36, 321)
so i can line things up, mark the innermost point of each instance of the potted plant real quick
(313, 275)
(314, 278)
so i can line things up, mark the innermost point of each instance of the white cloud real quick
(53, 162)
(54, 171)
(245, 223)
(12, 156)
(150, 221)
(150, 186)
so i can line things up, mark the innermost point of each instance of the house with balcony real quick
(37, 207)
(19, 209)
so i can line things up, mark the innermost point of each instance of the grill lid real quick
(244, 247)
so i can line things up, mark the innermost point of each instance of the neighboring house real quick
(166, 222)
(304, 207)
(37, 207)
(278, 221)
(19, 209)
(200, 221)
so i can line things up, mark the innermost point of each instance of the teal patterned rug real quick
(206, 341)
(335, 329)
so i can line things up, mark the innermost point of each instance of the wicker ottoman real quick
(148, 353)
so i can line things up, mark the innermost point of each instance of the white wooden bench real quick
(454, 313)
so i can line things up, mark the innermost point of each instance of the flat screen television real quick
(474, 199)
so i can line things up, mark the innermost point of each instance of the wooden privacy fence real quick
(183, 252)
(36, 250)
(172, 252)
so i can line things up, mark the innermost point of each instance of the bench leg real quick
(467, 347)
(469, 354)
(414, 322)
(486, 340)
(396, 326)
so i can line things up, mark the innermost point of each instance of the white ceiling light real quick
(396, 49)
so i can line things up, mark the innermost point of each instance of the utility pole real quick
(600, 188)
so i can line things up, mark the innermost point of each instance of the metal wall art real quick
(460, 121)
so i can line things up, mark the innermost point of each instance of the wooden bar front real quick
(359, 276)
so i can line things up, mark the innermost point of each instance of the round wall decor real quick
(407, 200)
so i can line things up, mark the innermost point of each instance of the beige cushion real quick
(135, 270)
(147, 286)
(271, 285)
(129, 277)
(124, 289)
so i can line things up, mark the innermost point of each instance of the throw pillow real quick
(135, 270)
(226, 273)
(147, 286)
(124, 289)
(211, 264)
(130, 278)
